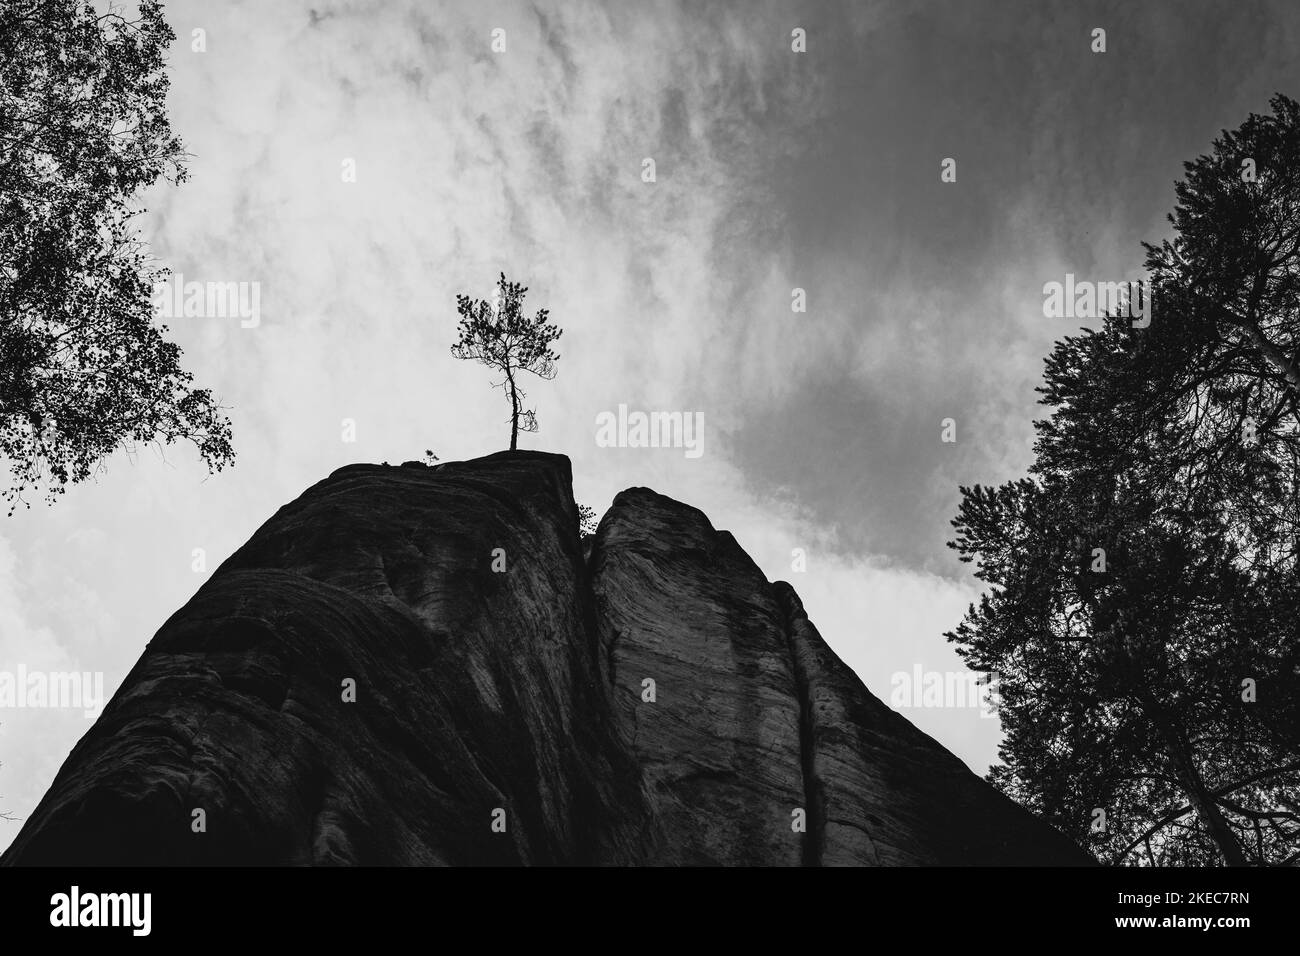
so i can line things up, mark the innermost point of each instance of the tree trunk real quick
(514, 410)
(1197, 794)
(1208, 811)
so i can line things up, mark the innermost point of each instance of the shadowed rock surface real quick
(501, 664)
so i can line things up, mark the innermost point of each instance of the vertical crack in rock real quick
(814, 798)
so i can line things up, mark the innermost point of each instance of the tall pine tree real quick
(1143, 616)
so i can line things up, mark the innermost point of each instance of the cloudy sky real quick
(774, 170)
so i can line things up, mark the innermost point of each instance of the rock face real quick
(425, 666)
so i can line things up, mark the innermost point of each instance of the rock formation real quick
(424, 665)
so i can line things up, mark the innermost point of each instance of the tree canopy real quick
(1143, 610)
(84, 369)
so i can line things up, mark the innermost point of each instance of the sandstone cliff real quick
(500, 671)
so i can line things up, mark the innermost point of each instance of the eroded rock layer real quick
(425, 666)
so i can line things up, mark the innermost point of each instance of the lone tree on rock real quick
(501, 336)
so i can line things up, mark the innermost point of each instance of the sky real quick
(774, 170)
